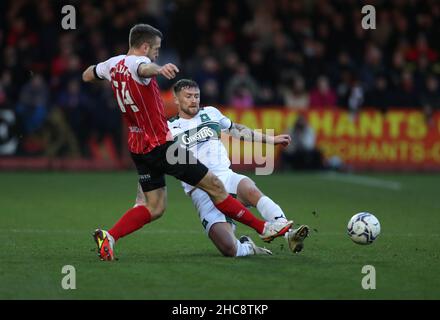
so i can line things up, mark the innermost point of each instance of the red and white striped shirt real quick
(139, 100)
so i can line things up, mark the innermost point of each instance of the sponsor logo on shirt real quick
(203, 134)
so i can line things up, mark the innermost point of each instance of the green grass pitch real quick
(46, 221)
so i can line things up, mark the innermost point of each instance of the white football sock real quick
(243, 249)
(269, 210)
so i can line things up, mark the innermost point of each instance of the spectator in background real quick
(316, 61)
(355, 97)
(379, 97)
(351, 93)
(193, 65)
(421, 48)
(242, 98)
(20, 33)
(384, 29)
(58, 137)
(33, 105)
(398, 66)
(323, 95)
(230, 64)
(267, 96)
(74, 103)
(295, 95)
(241, 87)
(17, 71)
(220, 44)
(5, 90)
(209, 71)
(423, 69)
(71, 72)
(344, 86)
(372, 67)
(107, 129)
(407, 95)
(257, 64)
(302, 153)
(210, 92)
(60, 63)
(342, 65)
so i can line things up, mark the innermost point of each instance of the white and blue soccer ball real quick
(363, 228)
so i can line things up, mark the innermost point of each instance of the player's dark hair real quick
(183, 84)
(142, 33)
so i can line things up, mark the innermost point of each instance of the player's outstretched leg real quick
(234, 209)
(134, 219)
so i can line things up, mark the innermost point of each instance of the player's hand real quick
(283, 139)
(169, 71)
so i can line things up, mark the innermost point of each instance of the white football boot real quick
(295, 238)
(255, 249)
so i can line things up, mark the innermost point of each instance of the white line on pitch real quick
(364, 181)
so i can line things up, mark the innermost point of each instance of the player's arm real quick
(148, 70)
(90, 74)
(242, 132)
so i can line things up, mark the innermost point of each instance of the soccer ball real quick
(363, 228)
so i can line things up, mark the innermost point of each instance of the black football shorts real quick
(171, 159)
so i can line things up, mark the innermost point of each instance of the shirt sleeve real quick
(102, 70)
(134, 66)
(225, 122)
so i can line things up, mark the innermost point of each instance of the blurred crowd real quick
(243, 53)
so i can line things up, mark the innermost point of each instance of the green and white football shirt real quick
(201, 134)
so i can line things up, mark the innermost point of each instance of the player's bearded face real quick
(188, 100)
